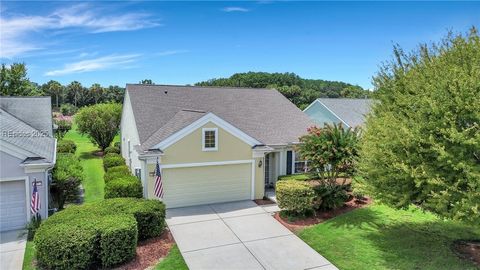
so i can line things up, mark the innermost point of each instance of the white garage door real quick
(208, 184)
(12, 205)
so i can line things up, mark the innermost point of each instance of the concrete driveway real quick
(12, 248)
(239, 235)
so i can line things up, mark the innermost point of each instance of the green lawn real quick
(29, 256)
(379, 237)
(92, 166)
(173, 261)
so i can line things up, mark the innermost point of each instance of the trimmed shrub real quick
(97, 235)
(112, 160)
(107, 177)
(118, 239)
(149, 214)
(295, 196)
(122, 168)
(66, 146)
(126, 186)
(65, 246)
(111, 150)
(330, 197)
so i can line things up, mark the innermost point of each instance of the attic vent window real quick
(210, 139)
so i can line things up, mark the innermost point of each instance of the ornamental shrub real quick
(112, 150)
(122, 168)
(330, 196)
(66, 146)
(295, 196)
(67, 176)
(118, 239)
(125, 186)
(112, 160)
(97, 235)
(65, 245)
(422, 140)
(149, 214)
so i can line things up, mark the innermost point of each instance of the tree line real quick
(14, 82)
(300, 91)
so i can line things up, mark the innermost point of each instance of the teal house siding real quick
(321, 115)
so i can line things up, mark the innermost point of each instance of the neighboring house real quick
(27, 152)
(348, 111)
(213, 144)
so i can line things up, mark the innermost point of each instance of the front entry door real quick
(267, 169)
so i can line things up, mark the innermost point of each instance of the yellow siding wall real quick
(189, 150)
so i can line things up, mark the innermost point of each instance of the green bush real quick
(112, 160)
(67, 176)
(122, 168)
(118, 239)
(116, 172)
(295, 196)
(330, 196)
(97, 235)
(68, 109)
(125, 186)
(149, 214)
(112, 150)
(66, 146)
(65, 246)
(33, 226)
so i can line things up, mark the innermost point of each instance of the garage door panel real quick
(209, 184)
(12, 205)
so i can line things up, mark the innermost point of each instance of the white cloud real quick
(171, 52)
(235, 9)
(16, 31)
(100, 63)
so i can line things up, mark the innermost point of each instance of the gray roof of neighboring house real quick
(350, 110)
(23, 128)
(35, 111)
(264, 114)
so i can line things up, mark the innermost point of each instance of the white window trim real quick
(209, 149)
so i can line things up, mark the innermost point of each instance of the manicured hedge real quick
(97, 235)
(122, 168)
(123, 186)
(112, 160)
(294, 196)
(66, 146)
(112, 150)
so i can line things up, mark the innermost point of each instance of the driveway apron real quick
(12, 249)
(239, 235)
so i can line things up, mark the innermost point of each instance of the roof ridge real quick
(200, 86)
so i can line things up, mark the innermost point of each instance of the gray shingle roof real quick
(264, 114)
(352, 111)
(35, 111)
(17, 132)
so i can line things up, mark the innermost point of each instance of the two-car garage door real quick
(207, 184)
(13, 207)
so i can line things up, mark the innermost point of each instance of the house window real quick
(300, 164)
(210, 139)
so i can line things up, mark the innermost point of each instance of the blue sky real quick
(186, 42)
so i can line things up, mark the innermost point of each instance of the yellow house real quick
(212, 144)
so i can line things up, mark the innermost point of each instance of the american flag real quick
(158, 182)
(35, 204)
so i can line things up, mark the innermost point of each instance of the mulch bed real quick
(321, 216)
(149, 252)
(468, 249)
(263, 201)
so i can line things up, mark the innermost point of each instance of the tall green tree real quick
(146, 81)
(422, 141)
(14, 81)
(99, 122)
(74, 90)
(97, 92)
(54, 89)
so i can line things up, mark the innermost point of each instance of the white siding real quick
(129, 133)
